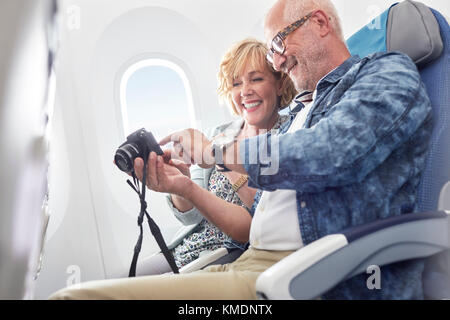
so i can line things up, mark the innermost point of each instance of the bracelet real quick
(241, 181)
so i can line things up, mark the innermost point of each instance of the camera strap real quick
(154, 229)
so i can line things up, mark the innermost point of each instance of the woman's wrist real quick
(181, 204)
(240, 183)
(185, 187)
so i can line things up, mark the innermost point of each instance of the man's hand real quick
(191, 146)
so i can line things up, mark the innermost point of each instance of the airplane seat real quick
(422, 33)
(433, 191)
(215, 257)
(208, 257)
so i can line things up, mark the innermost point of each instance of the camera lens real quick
(125, 156)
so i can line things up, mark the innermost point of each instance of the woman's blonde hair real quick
(252, 53)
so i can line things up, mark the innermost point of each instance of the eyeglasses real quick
(277, 45)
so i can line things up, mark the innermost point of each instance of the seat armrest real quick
(306, 273)
(274, 283)
(180, 235)
(205, 259)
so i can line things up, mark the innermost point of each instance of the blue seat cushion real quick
(371, 38)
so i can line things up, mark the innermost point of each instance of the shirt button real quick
(303, 204)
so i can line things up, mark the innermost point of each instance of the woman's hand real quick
(180, 165)
(163, 177)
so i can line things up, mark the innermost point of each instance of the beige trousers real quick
(235, 281)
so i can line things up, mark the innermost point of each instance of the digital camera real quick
(138, 145)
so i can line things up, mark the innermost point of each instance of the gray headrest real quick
(413, 29)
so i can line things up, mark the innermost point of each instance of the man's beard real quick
(302, 78)
(308, 69)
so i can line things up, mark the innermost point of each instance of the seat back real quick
(423, 34)
(436, 77)
(412, 28)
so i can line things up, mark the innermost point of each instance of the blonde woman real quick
(256, 93)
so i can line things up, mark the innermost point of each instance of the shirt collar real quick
(332, 77)
(298, 103)
(337, 74)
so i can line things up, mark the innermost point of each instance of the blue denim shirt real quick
(358, 159)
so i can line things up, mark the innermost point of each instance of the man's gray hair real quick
(296, 9)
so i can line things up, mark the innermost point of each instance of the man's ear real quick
(323, 21)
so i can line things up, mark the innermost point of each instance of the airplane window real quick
(156, 95)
